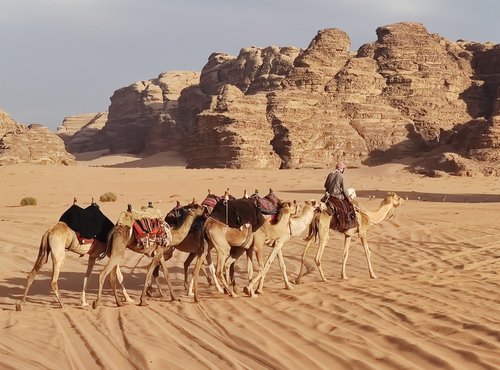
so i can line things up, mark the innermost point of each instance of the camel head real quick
(394, 200)
(195, 209)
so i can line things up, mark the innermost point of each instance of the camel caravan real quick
(222, 225)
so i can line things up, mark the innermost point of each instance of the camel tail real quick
(43, 252)
(313, 231)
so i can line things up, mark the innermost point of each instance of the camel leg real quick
(323, 239)
(364, 241)
(30, 279)
(283, 270)
(276, 249)
(164, 267)
(249, 264)
(90, 267)
(156, 272)
(303, 260)
(119, 276)
(112, 282)
(187, 262)
(112, 262)
(345, 255)
(211, 270)
(57, 261)
(229, 265)
(196, 271)
(222, 255)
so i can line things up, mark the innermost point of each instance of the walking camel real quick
(297, 225)
(320, 227)
(121, 238)
(221, 237)
(55, 242)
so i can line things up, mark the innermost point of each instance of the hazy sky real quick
(64, 57)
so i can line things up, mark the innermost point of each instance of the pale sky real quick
(65, 57)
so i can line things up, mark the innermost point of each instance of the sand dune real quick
(435, 304)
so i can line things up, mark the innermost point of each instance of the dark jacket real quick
(334, 185)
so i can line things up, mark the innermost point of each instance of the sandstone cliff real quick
(143, 117)
(79, 132)
(408, 92)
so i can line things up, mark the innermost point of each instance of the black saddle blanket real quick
(235, 213)
(89, 222)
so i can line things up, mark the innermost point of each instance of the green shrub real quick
(28, 201)
(108, 197)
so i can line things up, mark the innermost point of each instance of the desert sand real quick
(435, 304)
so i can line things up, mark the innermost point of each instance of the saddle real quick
(176, 216)
(343, 214)
(87, 223)
(211, 201)
(148, 228)
(268, 205)
(237, 212)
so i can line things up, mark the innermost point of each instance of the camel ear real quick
(129, 207)
(313, 202)
(294, 201)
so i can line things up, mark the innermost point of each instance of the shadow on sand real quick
(416, 195)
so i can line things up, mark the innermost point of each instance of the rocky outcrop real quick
(408, 92)
(143, 117)
(79, 132)
(7, 124)
(234, 133)
(33, 144)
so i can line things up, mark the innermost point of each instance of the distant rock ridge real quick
(30, 144)
(409, 92)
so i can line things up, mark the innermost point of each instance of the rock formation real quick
(143, 116)
(33, 144)
(79, 132)
(408, 92)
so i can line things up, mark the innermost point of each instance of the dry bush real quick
(28, 201)
(108, 197)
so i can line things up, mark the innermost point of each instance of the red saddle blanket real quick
(268, 205)
(148, 230)
(343, 214)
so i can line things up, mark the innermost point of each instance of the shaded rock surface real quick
(80, 131)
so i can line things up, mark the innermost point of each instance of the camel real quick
(58, 239)
(277, 240)
(190, 244)
(121, 238)
(221, 237)
(320, 227)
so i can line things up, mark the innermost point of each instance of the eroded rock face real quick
(143, 116)
(33, 144)
(234, 133)
(283, 107)
(79, 132)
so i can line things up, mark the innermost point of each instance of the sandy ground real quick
(435, 304)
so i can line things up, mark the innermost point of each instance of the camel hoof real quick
(84, 304)
(297, 281)
(289, 287)
(143, 304)
(226, 291)
(19, 306)
(94, 305)
(247, 291)
(373, 276)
